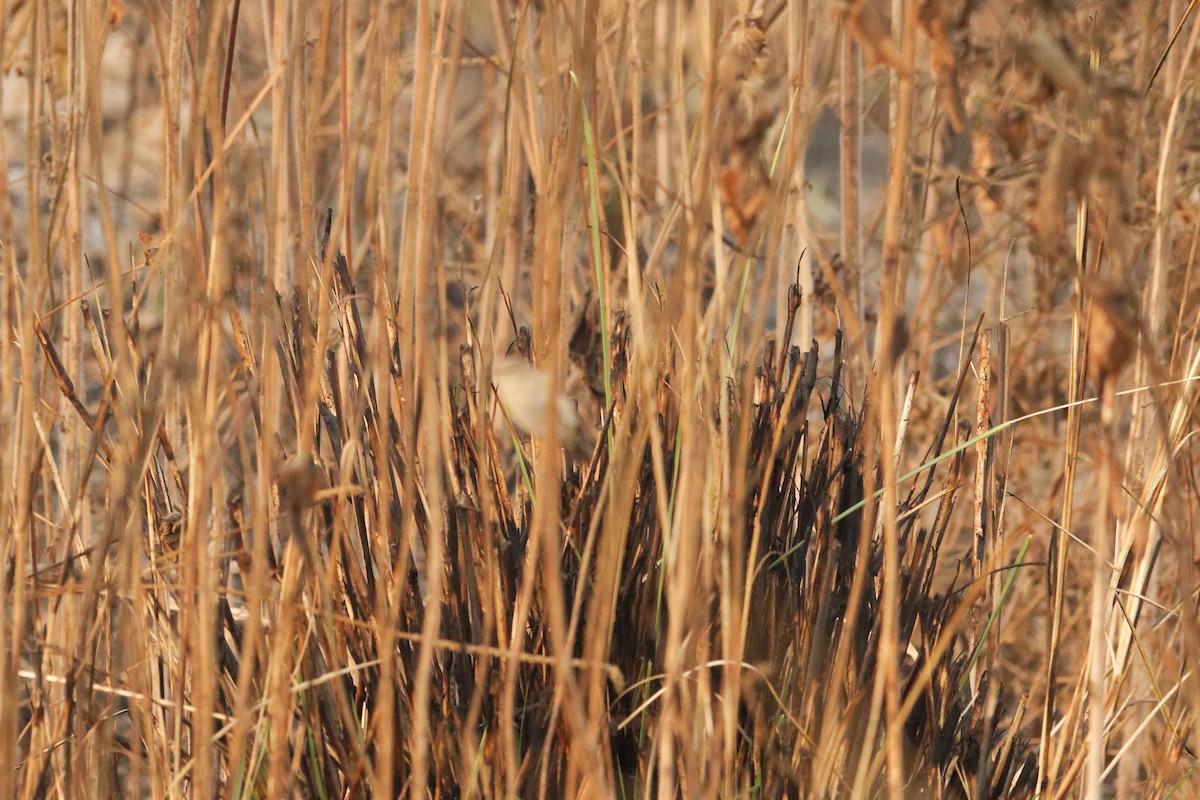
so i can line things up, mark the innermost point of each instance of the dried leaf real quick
(740, 53)
(865, 24)
(1113, 330)
(944, 57)
(745, 190)
(1051, 58)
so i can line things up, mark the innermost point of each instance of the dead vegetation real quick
(486, 399)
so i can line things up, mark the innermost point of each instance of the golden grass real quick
(598, 399)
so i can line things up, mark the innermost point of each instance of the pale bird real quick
(525, 392)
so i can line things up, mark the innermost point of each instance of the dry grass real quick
(599, 399)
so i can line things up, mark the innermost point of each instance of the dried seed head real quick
(795, 296)
(1067, 168)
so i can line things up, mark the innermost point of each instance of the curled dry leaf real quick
(740, 53)
(865, 24)
(1050, 57)
(585, 347)
(900, 338)
(743, 181)
(1114, 327)
(525, 392)
(19, 34)
(745, 189)
(945, 37)
(1013, 126)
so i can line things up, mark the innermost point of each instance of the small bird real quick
(525, 393)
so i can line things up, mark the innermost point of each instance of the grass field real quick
(534, 399)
